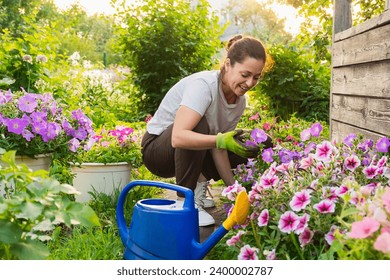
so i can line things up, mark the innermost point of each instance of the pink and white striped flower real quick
(262, 220)
(288, 222)
(305, 237)
(325, 206)
(303, 223)
(248, 253)
(231, 191)
(352, 162)
(324, 151)
(300, 200)
(268, 181)
(370, 171)
(234, 239)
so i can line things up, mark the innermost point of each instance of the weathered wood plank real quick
(364, 112)
(363, 79)
(372, 23)
(366, 47)
(342, 15)
(341, 130)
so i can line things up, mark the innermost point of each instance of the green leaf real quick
(9, 233)
(84, 214)
(30, 210)
(30, 250)
(349, 212)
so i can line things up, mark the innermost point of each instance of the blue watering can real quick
(161, 229)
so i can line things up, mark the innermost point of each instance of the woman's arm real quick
(182, 135)
(222, 163)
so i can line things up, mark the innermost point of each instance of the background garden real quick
(82, 87)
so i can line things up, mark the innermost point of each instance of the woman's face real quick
(241, 77)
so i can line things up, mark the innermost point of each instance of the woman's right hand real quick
(227, 141)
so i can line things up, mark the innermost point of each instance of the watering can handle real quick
(188, 199)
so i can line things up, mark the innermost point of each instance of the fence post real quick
(342, 15)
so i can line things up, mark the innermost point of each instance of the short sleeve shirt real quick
(202, 93)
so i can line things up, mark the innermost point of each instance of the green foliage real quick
(296, 85)
(164, 41)
(31, 206)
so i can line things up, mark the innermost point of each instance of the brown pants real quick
(163, 160)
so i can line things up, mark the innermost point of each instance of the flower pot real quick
(38, 163)
(100, 177)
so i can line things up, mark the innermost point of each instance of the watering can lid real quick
(167, 204)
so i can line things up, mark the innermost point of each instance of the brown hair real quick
(239, 48)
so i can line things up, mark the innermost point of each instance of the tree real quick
(163, 41)
(259, 20)
(319, 36)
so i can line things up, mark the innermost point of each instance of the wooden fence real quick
(360, 85)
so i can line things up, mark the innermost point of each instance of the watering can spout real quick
(237, 216)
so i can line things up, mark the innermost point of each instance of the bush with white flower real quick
(33, 124)
(315, 199)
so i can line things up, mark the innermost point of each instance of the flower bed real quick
(315, 199)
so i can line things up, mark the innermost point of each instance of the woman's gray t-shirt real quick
(202, 93)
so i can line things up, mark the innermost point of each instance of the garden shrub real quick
(164, 41)
(297, 85)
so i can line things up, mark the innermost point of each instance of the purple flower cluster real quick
(34, 123)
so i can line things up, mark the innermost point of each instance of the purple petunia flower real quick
(16, 125)
(383, 145)
(349, 139)
(27, 103)
(267, 155)
(258, 135)
(315, 129)
(288, 222)
(74, 144)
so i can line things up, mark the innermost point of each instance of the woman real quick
(191, 135)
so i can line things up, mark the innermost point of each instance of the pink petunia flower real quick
(305, 135)
(306, 162)
(248, 253)
(324, 151)
(270, 255)
(329, 237)
(305, 237)
(263, 218)
(254, 117)
(236, 238)
(325, 206)
(300, 200)
(352, 162)
(342, 190)
(382, 243)
(370, 171)
(303, 223)
(364, 228)
(268, 181)
(288, 222)
(231, 191)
